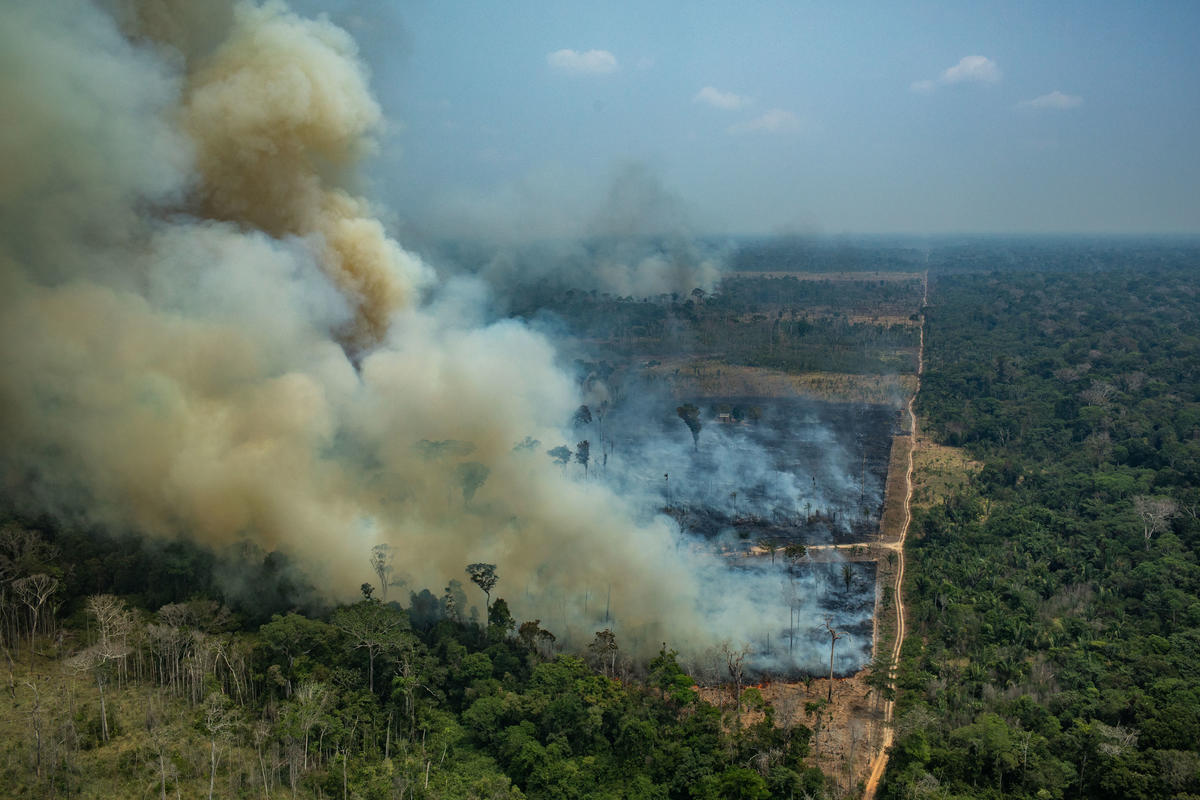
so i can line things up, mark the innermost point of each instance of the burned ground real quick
(789, 471)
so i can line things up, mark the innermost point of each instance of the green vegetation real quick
(372, 700)
(1054, 601)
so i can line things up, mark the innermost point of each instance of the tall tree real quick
(583, 454)
(484, 576)
(561, 455)
(34, 591)
(471, 475)
(834, 635)
(583, 416)
(381, 562)
(114, 622)
(371, 626)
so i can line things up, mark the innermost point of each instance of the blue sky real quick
(512, 119)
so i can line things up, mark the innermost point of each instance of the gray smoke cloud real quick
(630, 238)
(206, 333)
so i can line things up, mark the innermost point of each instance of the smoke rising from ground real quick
(633, 239)
(206, 334)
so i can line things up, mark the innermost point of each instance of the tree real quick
(22, 552)
(113, 622)
(583, 416)
(1155, 513)
(219, 720)
(454, 600)
(690, 415)
(735, 664)
(471, 475)
(604, 648)
(528, 632)
(833, 639)
(500, 619)
(583, 452)
(34, 591)
(297, 641)
(484, 576)
(561, 455)
(371, 626)
(669, 678)
(381, 563)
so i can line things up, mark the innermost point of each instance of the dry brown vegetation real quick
(938, 471)
(693, 377)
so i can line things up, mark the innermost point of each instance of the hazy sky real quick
(786, 116)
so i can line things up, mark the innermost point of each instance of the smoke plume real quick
(205, 333)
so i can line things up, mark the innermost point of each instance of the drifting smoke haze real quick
(635, 241)
(779, 465)
(208, 334)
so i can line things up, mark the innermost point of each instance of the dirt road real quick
(880, 763)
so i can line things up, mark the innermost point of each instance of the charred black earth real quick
(785, 470)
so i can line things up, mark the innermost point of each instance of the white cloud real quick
(719, 99)
(593, 62)
(969, 69)
(774, 121)
(972, 69)
(1055, 99)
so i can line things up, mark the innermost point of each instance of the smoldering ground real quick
(788, 469)
(206, 333)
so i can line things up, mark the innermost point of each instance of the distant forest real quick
(1054, 602)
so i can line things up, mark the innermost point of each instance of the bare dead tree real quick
(1100, 393)
(113, 623)
(735, 665)
(604, 648)
(34, 591)
(834, 635)
(1155, 513)
(219, 720)
(381, 562)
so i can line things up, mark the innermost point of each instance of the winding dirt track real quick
(880, 762)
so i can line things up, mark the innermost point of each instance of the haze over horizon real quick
(788, 118)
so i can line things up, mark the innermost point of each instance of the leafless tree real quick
(219, 721)
(834, 635)
(1100, 393)
(34, 591)
(735, 665)
(381, 562)
(1155, 513)
(604, 648)
(113, 623)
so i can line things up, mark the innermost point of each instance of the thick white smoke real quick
(206, 334)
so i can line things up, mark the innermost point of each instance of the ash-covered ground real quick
(749, 470)
(788, 470)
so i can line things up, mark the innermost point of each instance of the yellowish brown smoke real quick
(186, 374)
(278, 112)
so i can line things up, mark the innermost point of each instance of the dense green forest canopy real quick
(1055, 601)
